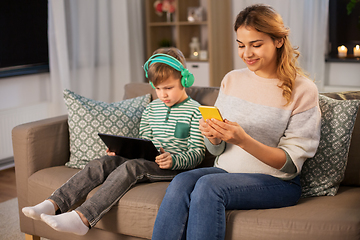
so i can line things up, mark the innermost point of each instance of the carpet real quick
(9, 221)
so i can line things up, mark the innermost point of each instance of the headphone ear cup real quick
(152, 85)
(188, 81)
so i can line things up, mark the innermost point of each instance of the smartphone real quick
(209, 112)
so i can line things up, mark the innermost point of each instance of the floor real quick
(7, 184)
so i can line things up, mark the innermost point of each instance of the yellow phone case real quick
(209, 112)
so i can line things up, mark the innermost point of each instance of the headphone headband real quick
(187, 79)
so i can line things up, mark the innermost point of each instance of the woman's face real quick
(258, 51)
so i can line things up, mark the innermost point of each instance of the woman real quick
(271, 126)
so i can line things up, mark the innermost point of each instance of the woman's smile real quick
(251, 61)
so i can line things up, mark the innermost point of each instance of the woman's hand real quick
(208, 132)
(109, 153)
(164, 160)
(230, 132)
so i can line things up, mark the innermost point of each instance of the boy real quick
(171, 122)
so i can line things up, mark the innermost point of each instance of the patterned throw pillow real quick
(322, 174)
(87, 118)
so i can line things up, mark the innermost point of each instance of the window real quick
(344, 29)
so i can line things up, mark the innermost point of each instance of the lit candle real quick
(342, 51)
(357, 51)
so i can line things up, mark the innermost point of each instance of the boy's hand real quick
(110, 153)
(164, 160)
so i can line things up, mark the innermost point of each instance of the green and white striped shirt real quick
(176, 130)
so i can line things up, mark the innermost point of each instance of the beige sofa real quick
(42, 148)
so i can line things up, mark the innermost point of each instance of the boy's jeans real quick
(195, 201)
(116, 174)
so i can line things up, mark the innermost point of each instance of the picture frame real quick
(196, 14)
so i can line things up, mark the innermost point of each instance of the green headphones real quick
(187, 79)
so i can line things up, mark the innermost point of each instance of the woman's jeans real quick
(195, 201)
(116, 174)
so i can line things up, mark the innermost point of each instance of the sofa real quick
(41, 150)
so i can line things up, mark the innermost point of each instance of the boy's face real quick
(171, 91)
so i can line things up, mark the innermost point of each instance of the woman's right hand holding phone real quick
(217, 131)
(208, 132)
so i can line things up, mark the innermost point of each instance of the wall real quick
(342, 77)
(23, 90)
(22, 99)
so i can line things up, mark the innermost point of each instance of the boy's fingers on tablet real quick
(162, 150)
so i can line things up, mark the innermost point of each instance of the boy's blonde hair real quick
(159, 72)
(265, 19)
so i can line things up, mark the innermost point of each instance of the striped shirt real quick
(176, 130)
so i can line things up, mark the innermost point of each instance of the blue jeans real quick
(116, 174)
(195, 201)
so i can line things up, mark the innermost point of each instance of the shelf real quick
(160, 24)
(193, 23)
(349, 59)
(190, 60)
(214, 34)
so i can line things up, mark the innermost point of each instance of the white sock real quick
(66, 222)
(34, 212)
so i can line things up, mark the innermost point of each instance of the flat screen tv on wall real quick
(23, 37)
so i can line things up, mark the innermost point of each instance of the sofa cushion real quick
(352, 172)
(322, 174)
(324, 217)
(44, 182)
(87, 118)
(135, 213)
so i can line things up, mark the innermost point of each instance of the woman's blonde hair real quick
(159, 72)
(265, 19)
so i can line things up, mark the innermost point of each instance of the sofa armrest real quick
(38, 145)
(41, 144)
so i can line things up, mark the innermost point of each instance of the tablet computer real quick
(130, 148)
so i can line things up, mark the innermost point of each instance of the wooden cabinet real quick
(214, 33)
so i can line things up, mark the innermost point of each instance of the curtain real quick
(95, 48)
(308, 23)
